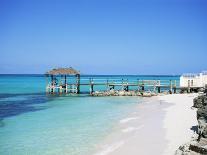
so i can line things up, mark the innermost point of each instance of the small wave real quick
(128, 119)
(130, 129)
(111, 148)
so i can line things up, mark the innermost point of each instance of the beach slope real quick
(157, 126)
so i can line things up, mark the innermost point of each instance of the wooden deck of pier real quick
(61, 85)
(141, 85)
(73, 88)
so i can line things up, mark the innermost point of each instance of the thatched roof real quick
(63, 71)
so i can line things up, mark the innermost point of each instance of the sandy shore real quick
(157, 126)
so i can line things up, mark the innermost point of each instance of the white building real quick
(194, 80)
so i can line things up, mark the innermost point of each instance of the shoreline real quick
(158, 125)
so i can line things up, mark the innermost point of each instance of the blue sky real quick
(103, 36)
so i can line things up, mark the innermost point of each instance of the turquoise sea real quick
(33, 123)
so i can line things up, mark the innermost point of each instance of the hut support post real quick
(47, 85)
(65, 83)
(65, 79)
(66, 88)
(61, 89)
(78, 83)
(52, 89)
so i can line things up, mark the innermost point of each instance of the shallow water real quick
(33, 123)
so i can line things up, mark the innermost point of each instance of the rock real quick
(200, 101)
(106, 93)
(183, 150)
(153, 94)
(146, 94)
(112, 92)
(199, 145)
(121, 93)
(165, 92)
(129, 93)
(133, 93)
(138, 94)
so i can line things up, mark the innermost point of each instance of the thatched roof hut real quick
(63, 71)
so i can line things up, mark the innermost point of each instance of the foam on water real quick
(125, 120)
(130, 129)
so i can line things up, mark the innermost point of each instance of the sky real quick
(103, 36)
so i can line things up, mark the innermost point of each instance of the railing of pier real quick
(101, 84)
(122, 84)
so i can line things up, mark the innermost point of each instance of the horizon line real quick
(97, 74)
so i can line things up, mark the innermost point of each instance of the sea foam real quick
(130, 129)
(128, 119)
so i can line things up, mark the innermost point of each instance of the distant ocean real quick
(33, 123)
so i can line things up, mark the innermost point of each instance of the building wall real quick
(204, 80)
(196, 81)
(190, 81)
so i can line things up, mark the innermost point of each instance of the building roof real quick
(204, 72)
(192, 75)
(63, 71)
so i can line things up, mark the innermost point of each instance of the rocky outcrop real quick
(123, 93)
(198, 145)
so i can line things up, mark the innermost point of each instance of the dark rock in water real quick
(198, 146)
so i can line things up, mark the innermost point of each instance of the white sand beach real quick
(157, 126)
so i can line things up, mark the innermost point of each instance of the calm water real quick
(32, 123)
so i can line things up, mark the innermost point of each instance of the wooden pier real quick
(140, 85)
(67, 81)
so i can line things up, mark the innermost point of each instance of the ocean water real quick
(33, 123)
